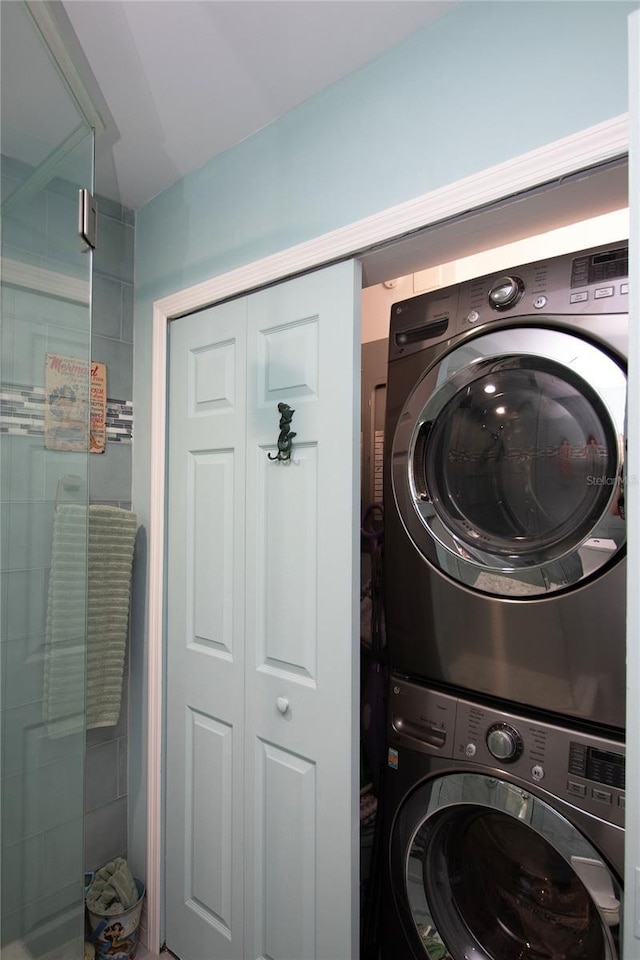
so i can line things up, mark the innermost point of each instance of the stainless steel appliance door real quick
(507, 461)
(486, 870)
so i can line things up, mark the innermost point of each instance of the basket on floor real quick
(115, 935)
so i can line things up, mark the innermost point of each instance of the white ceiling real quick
(179, 81)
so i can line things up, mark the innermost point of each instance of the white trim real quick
(155, 658)
(631, 909)
(50, 32)
(574, 153)
(50, 282)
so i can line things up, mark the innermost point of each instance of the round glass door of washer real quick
(491, 872)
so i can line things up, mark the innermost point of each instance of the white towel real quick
(87, 616)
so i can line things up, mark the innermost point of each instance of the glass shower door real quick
(47, 156)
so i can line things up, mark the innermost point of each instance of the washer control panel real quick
(585, 770)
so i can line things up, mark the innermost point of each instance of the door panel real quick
(285, 587)
(210, 496)
(205, 629)
(286, 786)
(263, 618)
(301, 617)
(209, 821)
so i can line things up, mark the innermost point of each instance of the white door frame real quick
(631, 932)
(546, 164)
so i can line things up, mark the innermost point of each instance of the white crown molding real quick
(574, 153)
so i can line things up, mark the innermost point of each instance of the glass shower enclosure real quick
(46, 157)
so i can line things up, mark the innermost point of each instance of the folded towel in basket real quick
(113, 889)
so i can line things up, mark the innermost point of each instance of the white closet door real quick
(262, 682)
(205, 634)
(302, 621)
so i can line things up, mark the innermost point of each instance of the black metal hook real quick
(286, 434)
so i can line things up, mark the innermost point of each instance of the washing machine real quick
(504, 486)
(503, 834)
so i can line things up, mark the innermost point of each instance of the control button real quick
(473, 317)
(470, 750)
(602, 292)
(581, 297)
(504, 742)
(621, 801)
(602, 796)
(624, 288)
(505, 292)
(580, 272)
(576, 789)
(540, 302)
(537, 773)
(577, 759)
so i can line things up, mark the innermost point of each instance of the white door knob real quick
(282, 704)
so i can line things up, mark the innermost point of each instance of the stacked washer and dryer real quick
(503, 800)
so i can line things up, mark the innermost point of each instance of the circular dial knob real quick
(505, 292)
(504, 742)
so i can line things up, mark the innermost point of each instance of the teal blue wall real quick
(485, 83)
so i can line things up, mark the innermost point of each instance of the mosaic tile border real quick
(22, 414)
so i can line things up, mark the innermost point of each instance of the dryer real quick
(504, 485)
(503, 834)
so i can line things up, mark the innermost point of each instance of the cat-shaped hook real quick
(286, 434)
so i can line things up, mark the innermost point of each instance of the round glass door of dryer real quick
(507, 461)
(488, 871)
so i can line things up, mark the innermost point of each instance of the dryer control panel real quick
(571, 287)
(585, 770)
